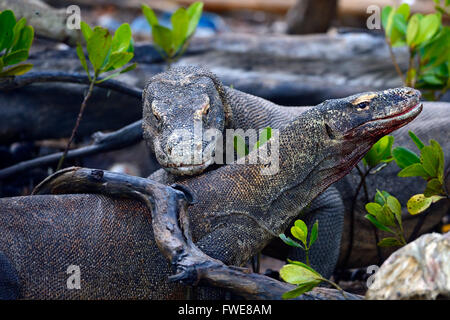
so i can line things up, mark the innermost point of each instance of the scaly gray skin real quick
(186, 97)
(112, 240)
(192, 87)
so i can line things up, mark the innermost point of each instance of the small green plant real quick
(428, 42)
(299, 273)
(385, 211)
(15, 42)
(386, 214)
(107, 55)
(300, 231)
(241, 147)
(172, 43)
(429, 166)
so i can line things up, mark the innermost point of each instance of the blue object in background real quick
(209, 24)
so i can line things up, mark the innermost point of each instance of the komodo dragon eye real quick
(205, 109)
(362, 106)
(157, 117)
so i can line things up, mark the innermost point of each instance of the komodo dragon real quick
(238, 209)
(183, 96)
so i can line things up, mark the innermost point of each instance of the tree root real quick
(170, 222)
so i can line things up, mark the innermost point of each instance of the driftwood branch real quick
(171, 229)
(121, 138)
(39, 77)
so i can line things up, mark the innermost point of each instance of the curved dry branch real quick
(171, 230)
(39, 77)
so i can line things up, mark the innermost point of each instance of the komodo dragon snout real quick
(183, 113)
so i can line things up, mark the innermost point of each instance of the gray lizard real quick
(238, 211)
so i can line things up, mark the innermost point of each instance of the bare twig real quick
(77, 123)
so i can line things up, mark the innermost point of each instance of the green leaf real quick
(265, 136)
(180, 22)
(380, 197)
(7, 23)
(121, 39)
(17, 70)
(418, 204)
(25, 39)
(432, 80)
(414, 170)
(98, 47)
(314, 233)
(400, 24)
(386, 217)
(298, 263)
(1, 64)
(389, 21)
(86, 30)
(83, 61)
(17, 30)
(394, 205)
(429, 25)
(404, 10)
(440, 155)
(429, 160)
(194, 13)
(389, 242)
(296, 274)
(380, 151)
(15, 57)
(118, 60)
(404, 157)
(419, 144)
(385, 13)
(434, 187)
(289, 241)
(162, 37)
(150, 15)
(301, 289)
(377, 224)
(302, 230)
(299, 234)
(373, 208)
(412, 29)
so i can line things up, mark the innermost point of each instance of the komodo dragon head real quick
(375, 114)
(179, 105)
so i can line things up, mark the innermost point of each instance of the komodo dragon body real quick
(187, 117)
(183, 103)
(112, 240)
